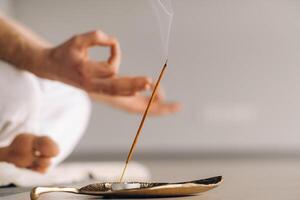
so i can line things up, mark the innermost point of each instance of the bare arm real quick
(20, 47)
(68, 62)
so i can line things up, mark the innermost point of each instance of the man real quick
(45, 93)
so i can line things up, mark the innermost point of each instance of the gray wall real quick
(6, 7)
(234, 65)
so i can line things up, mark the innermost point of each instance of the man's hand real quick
(70, 63)
(138, 103)
(30, 151)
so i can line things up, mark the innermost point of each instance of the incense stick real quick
(143, 120)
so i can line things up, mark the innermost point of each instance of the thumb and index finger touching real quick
(98, 38)
(110, 67)
(122, 85)
(103, 72)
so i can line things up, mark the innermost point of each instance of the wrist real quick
(40, 64)
(49, 67)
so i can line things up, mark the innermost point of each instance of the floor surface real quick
(244, 179)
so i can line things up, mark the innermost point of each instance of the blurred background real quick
(234, 65)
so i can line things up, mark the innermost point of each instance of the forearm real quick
(21, 48)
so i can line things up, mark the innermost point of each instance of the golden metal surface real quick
(146, 189)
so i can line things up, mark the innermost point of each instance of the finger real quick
(164, 109)
(160, 94)
(39, 169)
(156, 109)
(115, 55)
(93, 38)
(99, 69)
(41, 164)
(45, 146)
(98, 38)
(121, 86)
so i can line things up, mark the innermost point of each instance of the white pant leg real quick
(19, 103)
(65, 113)
(42, 107)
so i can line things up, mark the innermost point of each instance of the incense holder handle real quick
(38, 191)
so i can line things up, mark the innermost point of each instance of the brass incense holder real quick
(136, 189)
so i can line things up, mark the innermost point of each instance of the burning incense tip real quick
(143, 120)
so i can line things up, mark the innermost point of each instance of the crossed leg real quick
(41, 121)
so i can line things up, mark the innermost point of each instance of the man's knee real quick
(19, 99)
(19, 91)
(67, 116)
